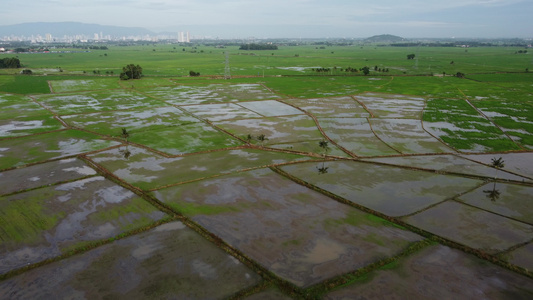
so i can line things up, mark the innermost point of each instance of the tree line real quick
(258, 47)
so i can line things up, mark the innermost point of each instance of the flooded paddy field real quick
(300, 235)
(169, 261)
(438, 272)
(161, 188)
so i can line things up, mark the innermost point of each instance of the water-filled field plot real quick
(335, 107)
(510, 200)
(271, 108)
(111, 123)
(518, 163)
(393, 106)
(356, 136)
(298, 234)
(20, 126)
(472, 227)
(213, 93)
(460, 126)
(89, 102)
(21, 116)
(221, 112)
(514, 117)
(170, 261)
(74, 85)
(449, 164)
(19, 106)
(46, 222)
(55, 145)
(148, 170)
(439, 272)
(523, 256)
(43, 175)
(407, 136)
(388, 190)
(190, 138)
(299, 133)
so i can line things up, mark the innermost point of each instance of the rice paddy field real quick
(279, 183)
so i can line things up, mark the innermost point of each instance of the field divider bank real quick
(398, 221)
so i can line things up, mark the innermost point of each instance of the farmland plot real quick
(459, 275)
(148, 170)
(300, 235)
(47, 222)
(214, 93)
(89, 102)
(388, 190)
(168, 261)
(355, 135)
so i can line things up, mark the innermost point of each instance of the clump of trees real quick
(258, 47)
(194, 74)
(10, 63)
(27, 72)
(131, 71)
(410, 56)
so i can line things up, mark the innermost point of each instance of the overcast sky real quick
(289, 18)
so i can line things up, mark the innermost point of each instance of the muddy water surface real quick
(473, 227)
(42, 175)
(439, 272)
(43, 223)
(389, 190)
(170, 261)
(300, 235)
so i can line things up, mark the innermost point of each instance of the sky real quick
(290, 18)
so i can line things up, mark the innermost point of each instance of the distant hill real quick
(385, 38)
(61, 29)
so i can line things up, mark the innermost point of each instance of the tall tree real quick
(131, 71)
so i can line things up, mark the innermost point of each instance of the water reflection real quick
(322, 169)
(493, 194)
(126, 153)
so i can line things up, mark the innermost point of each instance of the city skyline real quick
(296, 18)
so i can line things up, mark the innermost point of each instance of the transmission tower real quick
(416, 56)
(227, 74)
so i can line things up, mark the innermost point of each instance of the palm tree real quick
(324, 145)
(262, 138)
(249, 138)
(498, 164)
(125, 134)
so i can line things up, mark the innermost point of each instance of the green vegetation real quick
(10, 63)
(131, 71)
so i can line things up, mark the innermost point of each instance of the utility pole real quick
(227, 74)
